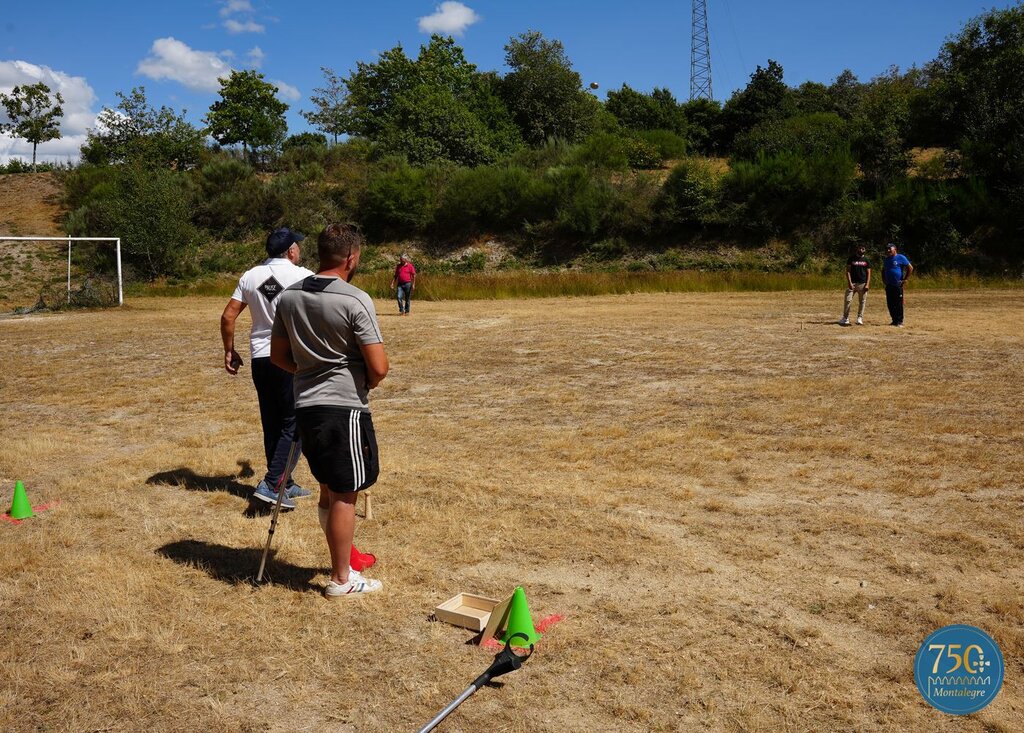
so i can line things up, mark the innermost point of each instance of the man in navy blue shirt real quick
(896, 268)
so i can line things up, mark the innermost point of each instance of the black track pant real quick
(277, 413)
(894, 299)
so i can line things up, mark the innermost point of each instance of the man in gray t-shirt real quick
(325, 332)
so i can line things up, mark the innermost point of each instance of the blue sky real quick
(90, 50)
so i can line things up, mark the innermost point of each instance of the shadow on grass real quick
(238, 566)
(189, 480)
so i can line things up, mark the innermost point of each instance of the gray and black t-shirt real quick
(327, 319)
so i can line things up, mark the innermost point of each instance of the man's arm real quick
(376, 363)
(227, 334)
(849, 279)
(907, 269)
(867, 283)
(281, 353)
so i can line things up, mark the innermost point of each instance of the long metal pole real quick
(451, 706)
(281, 489)
(69, 270)
(120, 287)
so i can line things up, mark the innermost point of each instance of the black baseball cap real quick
(281, 239)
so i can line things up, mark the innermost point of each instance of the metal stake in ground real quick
(285, 475)
(504, 661)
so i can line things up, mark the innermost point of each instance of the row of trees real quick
(435, 148)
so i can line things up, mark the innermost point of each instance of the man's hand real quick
(232, 362)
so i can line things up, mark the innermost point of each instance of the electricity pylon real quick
(700, 53)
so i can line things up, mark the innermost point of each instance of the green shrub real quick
(581, 201)
(233, 201)
(150, 210)
(604, 151)
(670, 145)
(400, 201)
(786, 191)
(823, 133)
(613, 248)
(494, 199)
(642, 154)
(631, 211)
(689, 196)
(471, 262)
(299, 200)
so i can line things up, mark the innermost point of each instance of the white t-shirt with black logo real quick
(259, 289)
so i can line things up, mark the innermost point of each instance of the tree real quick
(248, 112)
(33, 115)
(655, 111)
(979, 78)
(432, 109)
(543, 93)
(764, 97)
(703, 123)
(135, 132)
(331, 115)
(845, 94)
(881, 125)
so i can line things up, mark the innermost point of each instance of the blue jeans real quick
(404, 292)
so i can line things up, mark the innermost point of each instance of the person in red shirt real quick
(405, 282)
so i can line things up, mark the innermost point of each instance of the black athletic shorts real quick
(340, 445)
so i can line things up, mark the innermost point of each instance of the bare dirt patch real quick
(29, 207)
(749, 516)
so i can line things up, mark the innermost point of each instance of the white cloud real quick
(245, 24)
(248, 26)
(286, 91)
(449, 17)
(235, 6)
(171, 59)
(79, 116)
(255, 57)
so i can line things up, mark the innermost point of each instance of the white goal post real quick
(69, 240)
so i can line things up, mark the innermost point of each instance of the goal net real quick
(60, 272)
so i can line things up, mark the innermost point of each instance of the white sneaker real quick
(844, 321)
(356, 585)
(860, 321)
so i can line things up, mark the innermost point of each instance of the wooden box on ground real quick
(467, 610)
(478, 613)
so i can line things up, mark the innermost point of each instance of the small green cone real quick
(20, 508)
(519, 621)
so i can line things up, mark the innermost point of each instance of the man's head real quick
(338, 247)
(283, 242)
(890, 249)
(404, 258)
(858, 249)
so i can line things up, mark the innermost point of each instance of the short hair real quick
(336, 242)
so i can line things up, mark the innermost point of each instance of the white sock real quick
(323, 517)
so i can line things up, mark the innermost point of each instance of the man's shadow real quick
(235, 566)
(189, 480)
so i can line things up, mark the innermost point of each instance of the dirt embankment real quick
(30, 206)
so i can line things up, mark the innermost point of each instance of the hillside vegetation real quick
(430, 150)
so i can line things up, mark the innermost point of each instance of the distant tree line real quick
(431, 147)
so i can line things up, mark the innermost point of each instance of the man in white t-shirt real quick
(259, 289)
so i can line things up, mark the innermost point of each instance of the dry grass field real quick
(749, 517)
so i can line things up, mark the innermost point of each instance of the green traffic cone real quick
(519, 621)
(20, 508)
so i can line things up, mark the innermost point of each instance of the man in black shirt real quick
(858, 280)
